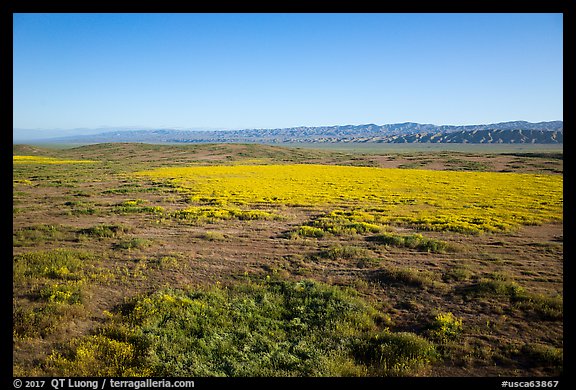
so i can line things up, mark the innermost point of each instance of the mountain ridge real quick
(408, 132)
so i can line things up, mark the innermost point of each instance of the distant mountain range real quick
(409, 132)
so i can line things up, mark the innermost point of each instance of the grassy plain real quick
(251, 260)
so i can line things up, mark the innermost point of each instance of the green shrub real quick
(545, 307)
(407, 276)
(414, 241)
(457, 273)
(543, 355)
(104, 231)
(133, 243)
(496, 288)
(395, 354)
(69, 292)
(340, 222)
(267, 328)
(42, 320)
(347, 252)
(80, 208)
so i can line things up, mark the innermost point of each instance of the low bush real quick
(496, 288)
(445, 327)
(132, 243)
(347, 252)
(407, 276)
(213, 236)
(264, 328)
(104, 231)
(414, 241)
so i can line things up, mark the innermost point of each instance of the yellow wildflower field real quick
(45, 160)
(467, 202)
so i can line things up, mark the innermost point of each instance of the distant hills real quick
(409, 132)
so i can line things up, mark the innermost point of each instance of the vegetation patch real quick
(57, 281)
(549, 308)
(211, 214)
(414, 241)
(46, 160)
(406, 276)
(495, 287)
(39, 234)
(339, 222)
(347, 252)
(396, 354)
(453, 201)
(308, 231)
(104, 231)
(457, 273)
(269, 328)
(445, 327)
(543, 355)
(213, 236)
(544, 307)
(136, 206)
(78, 207)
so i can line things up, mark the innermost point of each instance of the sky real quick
(240, 71)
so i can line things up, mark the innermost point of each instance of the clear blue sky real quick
(239, 71)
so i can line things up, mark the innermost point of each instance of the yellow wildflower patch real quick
(46, 160)
(467, 202)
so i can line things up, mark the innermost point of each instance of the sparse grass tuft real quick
(104, 231)
(213, 236)
(347, 252)
(136, 206)
(37, 234)
(132, 243)
(548, 308)
(407, 276)
(495, 288)
(543, 355)
(457, 273)
(414, 241)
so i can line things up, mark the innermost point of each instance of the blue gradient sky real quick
(239, 71)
